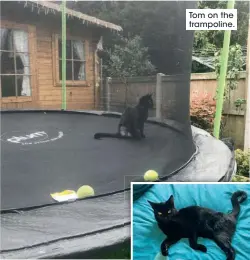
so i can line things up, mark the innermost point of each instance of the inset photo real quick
(190, 221)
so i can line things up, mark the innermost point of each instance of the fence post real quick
(107, 93)
(158, 95)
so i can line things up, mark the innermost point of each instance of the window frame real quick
(56, 65)
(31, 30)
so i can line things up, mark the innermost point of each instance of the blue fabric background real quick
(147, 237)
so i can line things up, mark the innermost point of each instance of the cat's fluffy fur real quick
(194, 221)
(132, 121)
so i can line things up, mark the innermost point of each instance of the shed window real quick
(15, 63)
(75, 60)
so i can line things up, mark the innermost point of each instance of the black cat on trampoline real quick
(132, 121)
(194, 221)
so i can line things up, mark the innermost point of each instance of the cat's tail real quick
(242, 195)
(116, 135)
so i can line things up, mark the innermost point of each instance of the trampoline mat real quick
(43, 153)
(147, 237)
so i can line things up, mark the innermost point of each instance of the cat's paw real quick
(164, 249)
(231, 255)
(202, 248)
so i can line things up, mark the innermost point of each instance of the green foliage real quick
(202, 43)
(238, 36)
(129, 59)
(235, 66)
(239, 102)
(243, 161)
(238, 178)
(153, 22)
(202, 47)
(206, 43)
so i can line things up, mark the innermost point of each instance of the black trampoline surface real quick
(43, 153)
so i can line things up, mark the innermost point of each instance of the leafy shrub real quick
(234, 67)
(202, 111)
(129, 59)
(242, 159)
(238, 178)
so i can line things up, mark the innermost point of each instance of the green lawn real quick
(124, 253)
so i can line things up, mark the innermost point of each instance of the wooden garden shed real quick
(31, 56)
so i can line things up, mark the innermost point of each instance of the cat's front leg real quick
(164, 248)
(136, 134)
(142, 131)
(134, 130)
(166, 244)
(193, 243)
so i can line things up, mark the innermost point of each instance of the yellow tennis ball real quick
(151, 175)
(85, 191)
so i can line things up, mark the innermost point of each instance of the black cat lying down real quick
(194, 221)
(132, 121)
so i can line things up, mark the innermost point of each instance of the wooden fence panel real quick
(200, 84)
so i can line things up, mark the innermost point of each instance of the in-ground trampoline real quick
(43, 152)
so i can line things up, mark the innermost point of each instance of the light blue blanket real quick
(147, 237)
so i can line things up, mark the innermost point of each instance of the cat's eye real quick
(169, 211)
(159, 213)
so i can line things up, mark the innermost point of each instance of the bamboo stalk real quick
(64, 94)
(222, 78)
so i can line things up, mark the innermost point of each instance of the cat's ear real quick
(152, 204)
(171, 200)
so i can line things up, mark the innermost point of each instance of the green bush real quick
(242, 159)
(238, 178)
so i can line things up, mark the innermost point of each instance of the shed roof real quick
(47, 7)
